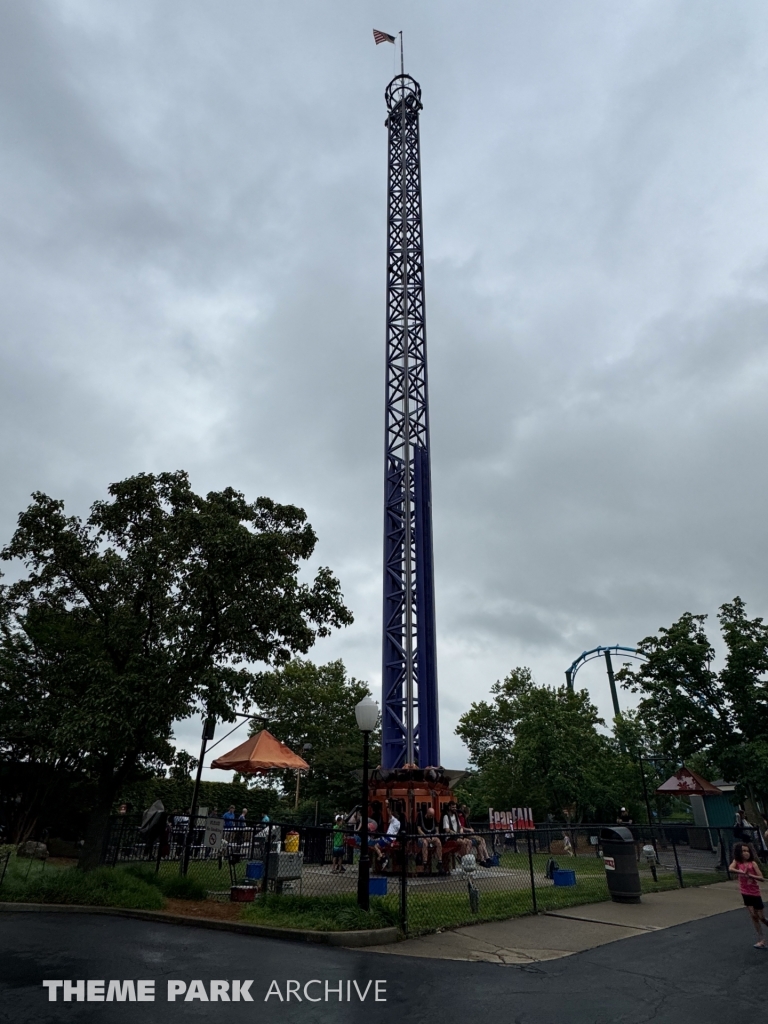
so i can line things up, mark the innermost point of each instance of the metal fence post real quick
(119, 843)
(160, 841)
(677, 862)
(530, 868)
(723, 854)
(267, 850)
(404, 884)
(105, 840)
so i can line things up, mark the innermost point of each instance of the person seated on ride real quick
(478, 843)
(452, 830)
(429, 838)
(380, 847)
(352, 820)
(355, 820)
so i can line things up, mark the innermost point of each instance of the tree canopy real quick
(308, 703)
(717, 718)
(155, 606)
(539, 746)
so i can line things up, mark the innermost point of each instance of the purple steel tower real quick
(410, 733)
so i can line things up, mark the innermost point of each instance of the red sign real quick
(610, 863)
(509, 821)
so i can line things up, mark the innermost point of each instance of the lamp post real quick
(209, 727)
(367, 716)
(651, 759)
(304, 750)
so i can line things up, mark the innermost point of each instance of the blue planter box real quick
(377, 886)
(564, 877)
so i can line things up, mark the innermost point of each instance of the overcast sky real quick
(193, 200)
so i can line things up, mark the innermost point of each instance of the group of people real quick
(430, 834)
(745, 832)
(231, 818)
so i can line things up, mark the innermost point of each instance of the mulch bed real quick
(203, 908)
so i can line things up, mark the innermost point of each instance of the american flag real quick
(382, 37)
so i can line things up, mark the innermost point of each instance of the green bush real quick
(174, 886)
(104, 887)
(178, 887)
(321, 913)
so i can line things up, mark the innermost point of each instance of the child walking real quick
(745, 866)
(338, 844)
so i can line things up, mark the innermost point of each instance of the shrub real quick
(104, 887)
(321, 913)
(180, 887)
(174, 886)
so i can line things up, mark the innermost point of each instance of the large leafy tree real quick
(720, 718)
(539, 746)
(313, 704)
(155, 606)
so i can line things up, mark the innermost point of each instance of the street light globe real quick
(367, 714)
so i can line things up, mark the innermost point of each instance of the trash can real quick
(621, 870)
(254, 870)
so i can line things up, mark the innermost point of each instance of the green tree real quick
(308, 703)
(719, 718)
(539, 746)
(151, 609)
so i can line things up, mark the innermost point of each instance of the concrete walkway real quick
(560, 933)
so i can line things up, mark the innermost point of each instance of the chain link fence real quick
(426, 883)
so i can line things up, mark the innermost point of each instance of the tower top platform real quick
(403, 87)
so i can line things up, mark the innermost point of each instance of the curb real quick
(367, 937)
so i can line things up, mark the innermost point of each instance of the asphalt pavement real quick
(695, 973)
(559, 933)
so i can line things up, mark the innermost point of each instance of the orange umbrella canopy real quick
(259, 754)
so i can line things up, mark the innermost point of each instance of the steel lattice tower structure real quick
(409, 680)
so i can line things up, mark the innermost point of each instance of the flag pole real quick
(402, 66)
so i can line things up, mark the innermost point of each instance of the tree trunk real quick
(98, 823)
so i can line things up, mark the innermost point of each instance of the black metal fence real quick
(427, 882)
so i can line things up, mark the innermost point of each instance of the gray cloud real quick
(192, 247)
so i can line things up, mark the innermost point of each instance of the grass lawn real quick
(322, 913)
(137, 886)
(134, 886)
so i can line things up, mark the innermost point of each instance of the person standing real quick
(338, 845)
(743, 831)
(750, 875)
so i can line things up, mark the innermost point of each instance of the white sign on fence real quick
(214, 833)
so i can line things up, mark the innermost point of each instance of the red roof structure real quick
(259, 754)
(686, 783)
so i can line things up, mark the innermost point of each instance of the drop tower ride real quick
(410, 733)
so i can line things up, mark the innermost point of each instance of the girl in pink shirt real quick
(750, 875)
